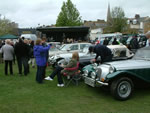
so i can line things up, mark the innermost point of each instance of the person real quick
(40, 56)
(134, 43)
(28, 56)
(103, 51)
(22, 53)
(8, 52)
(12, 44)
(47, 54)
(115, 42)
(60, 69)
(148, 38)
(1, 57)
(32, 59)
(106, 41)
(97, 42)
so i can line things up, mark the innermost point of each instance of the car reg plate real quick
(89, 81)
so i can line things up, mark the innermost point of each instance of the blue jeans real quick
(39, 74)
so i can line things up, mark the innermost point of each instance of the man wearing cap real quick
(103, 51)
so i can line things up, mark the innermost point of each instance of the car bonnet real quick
(130, 64)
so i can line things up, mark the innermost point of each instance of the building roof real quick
(64, 29)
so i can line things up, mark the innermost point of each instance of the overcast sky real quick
(30, 13)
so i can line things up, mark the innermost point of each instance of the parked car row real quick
(131, 41)
(120, 76)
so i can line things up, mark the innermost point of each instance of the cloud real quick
(30, 13)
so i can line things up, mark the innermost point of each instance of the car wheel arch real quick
(55, 64)
(59, 59)
(116, 85)
(123, 74)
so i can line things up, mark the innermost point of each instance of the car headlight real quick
(93, 75)
(86, 72)
(95, 66)
(111, 69)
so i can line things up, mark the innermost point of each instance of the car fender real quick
(118, 73)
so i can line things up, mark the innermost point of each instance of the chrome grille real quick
(99, 72)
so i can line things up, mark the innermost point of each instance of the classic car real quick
(120, 76)
(65, 57)
(65, 48)
(120, 52)
(133, 45)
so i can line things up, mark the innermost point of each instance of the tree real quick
(69, 15)
(6, 27)
(118, 21)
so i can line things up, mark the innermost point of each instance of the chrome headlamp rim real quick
(93, 75)
(111, 69)
(95, 66)
(86, 72)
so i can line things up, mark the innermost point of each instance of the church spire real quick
(108, 14)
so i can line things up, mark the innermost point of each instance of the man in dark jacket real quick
(22, 52)
(103, 51)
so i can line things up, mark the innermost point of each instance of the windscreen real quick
(143, 53)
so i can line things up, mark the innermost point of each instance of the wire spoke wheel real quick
(122, 88)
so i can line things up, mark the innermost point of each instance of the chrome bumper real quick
(92, 82)
(102, 83)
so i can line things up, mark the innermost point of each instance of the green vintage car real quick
(120, 76)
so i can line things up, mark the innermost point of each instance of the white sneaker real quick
(48, 78)
(60, 85)
(68, 77)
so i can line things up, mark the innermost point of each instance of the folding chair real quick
(74, 78)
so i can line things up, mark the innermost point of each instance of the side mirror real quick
(68, 49)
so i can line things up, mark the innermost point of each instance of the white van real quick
(29, 36)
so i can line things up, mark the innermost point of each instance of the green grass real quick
(24, 95)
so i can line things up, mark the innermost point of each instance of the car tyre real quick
(122, 88)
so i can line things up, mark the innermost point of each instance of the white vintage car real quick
(120, 52)
(65, 48)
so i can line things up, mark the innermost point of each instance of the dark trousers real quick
(44, 72)
(28, 66)
(39, 74)
(23, 61)
(57, 72)
(8, 62)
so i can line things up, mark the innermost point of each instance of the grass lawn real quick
(24, 95)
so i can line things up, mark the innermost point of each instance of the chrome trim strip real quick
(102, 83)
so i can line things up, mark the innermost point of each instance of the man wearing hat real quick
(103, 51)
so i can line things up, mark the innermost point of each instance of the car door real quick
(74, 48)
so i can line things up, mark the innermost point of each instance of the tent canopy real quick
(8, 36)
